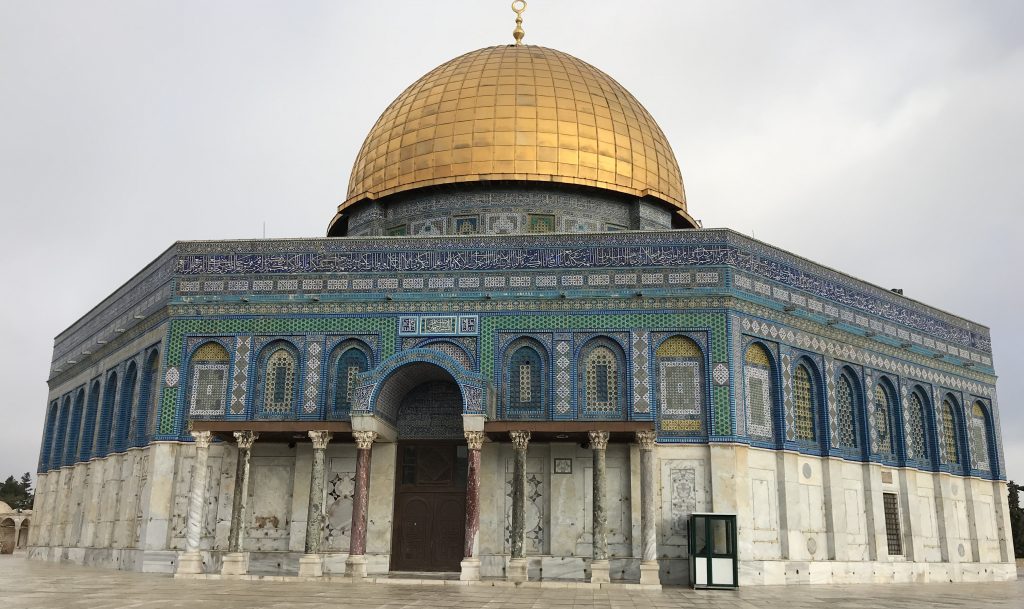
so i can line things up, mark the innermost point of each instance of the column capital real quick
(475, 439)
(245, 439)
(202, 438)
(364, 439)
(320, 439)
(598, 439)
(646, 439)
(520, 439)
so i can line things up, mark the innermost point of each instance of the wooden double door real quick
(430, 507)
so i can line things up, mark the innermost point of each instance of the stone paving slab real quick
(37, 585)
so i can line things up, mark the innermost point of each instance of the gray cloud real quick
(879, 138)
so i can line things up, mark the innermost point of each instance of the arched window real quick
(279, 381)
(882, 422)
(680, 369)
(804, 404)
(979, 437)
(846, 413)
(146, 410)
(71, 449)
(208, 391)
(524, 383)
(57, 455)
(89, 427)
(601, 380)
(48, 437)
(758, 392)
(124, 413)
(349, 362)
(949, 434)
(917, 446)
(103, 431)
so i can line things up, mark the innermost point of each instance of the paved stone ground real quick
(36, 585)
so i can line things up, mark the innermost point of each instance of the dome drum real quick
(505, 208)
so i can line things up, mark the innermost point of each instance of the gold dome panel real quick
(524, 113)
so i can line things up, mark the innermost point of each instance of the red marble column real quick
(355, 566)
(471, 563)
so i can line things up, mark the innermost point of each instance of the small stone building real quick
(14, 528)
(516, 355)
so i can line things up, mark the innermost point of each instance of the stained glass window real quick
(601, 381)
(208, 391)
(280, 382)
(881, 420)
(524, 383)
(916, 445)
(803, 399)
(347, 366)
(949, 443)
(758, 392)
(979, 437)
(846, 413)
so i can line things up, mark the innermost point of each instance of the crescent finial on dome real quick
(518, 7)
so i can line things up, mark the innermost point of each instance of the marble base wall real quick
(818, 520)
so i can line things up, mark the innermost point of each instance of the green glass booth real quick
(713, 555)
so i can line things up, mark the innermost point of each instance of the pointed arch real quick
(760, 392)
(278, 380)
(525, 385)
(981, 438)
(57, 454)
(949, 432)
(145, 409)
(600, 373)
(74, 429)
(209, 366)
(883, 419)
(49, 431)
(848, 408)
(89, 425)
(680, 381)
(805, 402)
(105, 428)
(917, 434)
(348, 360)
(124, 410)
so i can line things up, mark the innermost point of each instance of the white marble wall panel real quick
(339, 486)
(268, 520)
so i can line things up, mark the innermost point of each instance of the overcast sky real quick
(884, 139)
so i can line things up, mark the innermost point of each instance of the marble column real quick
(236, 561)
(355, 565)
(311, 564)
(648, 532)
(191, 561)
(471, 562)
(517, 565)
(599, 567)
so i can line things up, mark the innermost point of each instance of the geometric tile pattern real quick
(787, 397)
(563, 373)
(314, 359)
(869, 402)
(830, 396)
(243, 345)
(641, 371)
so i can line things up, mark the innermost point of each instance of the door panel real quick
(430, 503)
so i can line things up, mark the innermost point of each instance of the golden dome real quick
(517, 113)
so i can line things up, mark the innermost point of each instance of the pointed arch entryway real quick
(428, 527)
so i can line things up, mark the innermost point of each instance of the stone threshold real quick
(427, 579)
